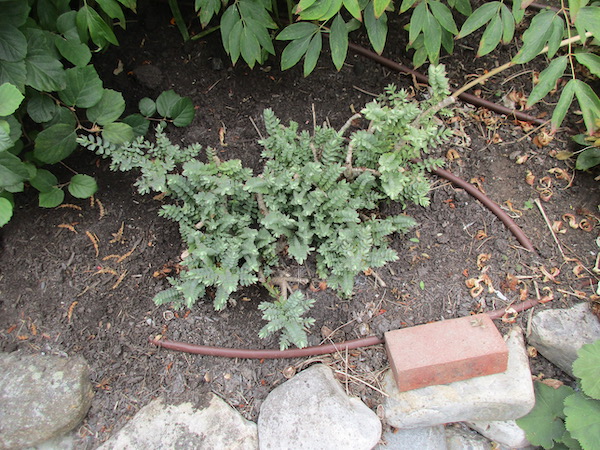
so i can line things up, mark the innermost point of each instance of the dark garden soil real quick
(60, 294)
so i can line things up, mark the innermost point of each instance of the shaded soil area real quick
(80, 279)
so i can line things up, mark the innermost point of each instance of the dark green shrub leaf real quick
(138, 123)
(13, 73)
(257, 10)
(63, 115)
(544, 424)
(491, 36)
(587, 366)
(6, 211)
(165, 103)
(293, 52)
(297, 30)
(5, 140)
(100, 32)
(44, 180)
(82, 186)
(51, 198)
(262, 35)
(376, 28)
(313, 53)
(235, 38)
(583, 419)
(229, 18)
(108, 109)
(321, 10)
(55, 143)
(14, 128)
(14, 13)
(588, 18)
(547, 80)
(118, 133)
(338, 41)
(417, 21)
(462, 6)
(67, 26)
(588, 158)
(589, 104)
(535, 37)
(131, 4)
(84, 87)
(406, 5)
(564, 102)
(479, 18)
(13, 44)
(443, 16)
(589, 60)
(73, 51)
(556, 35)
(12, 170)
(147, 107)
(10, 99)
(432, 32)
(249, 47)
(182, 112)
(41, 108)
(303, 4)
(380, 6)
(112, 9)
(45, 73)
(353, 8)
(508, 25)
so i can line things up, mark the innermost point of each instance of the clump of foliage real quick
(317, 197)
(564, 417)
(50, 92)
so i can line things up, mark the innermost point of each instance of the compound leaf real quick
(313, 53)
(444, 16)
(293, 52)
(491, 36)
(564, 102)
(589, 104)
(338, 41)
(547, 80)
(297, 30)
(479, 18)
(535, 37)
(591, 61)
(376, 29)
(353, 8)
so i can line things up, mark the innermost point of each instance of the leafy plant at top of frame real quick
(49, 91)
(564, 417)
(317, 198)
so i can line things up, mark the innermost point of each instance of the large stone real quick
(558, 333)
(460, 438)
(312, 411)
(502, 396)
(505, 432)
(41, 397)
(213, 426)
(429, 438)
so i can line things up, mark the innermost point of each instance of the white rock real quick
(41, 397)
(429, 438)
(459, 438)
(558, 333)
(505, 432)
(312, 411)
(184, 426)
(502, 396)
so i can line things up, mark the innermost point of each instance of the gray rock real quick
(506, 432)
(41, 397)
(185, 426)
(312, 411)
(429, 438)
(460, 438)
(558, 333)
(149, 76)
(502, 396)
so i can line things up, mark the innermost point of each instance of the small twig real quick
(278, 280)
(255, 127)
(362, 381)
(348, 124)
(539, 205)
(314, 115)
(365, 92)
(261, 204)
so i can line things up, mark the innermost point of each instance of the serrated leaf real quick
(73, 51)
(587, 367)
(589, 60)
(249, 47)
(293, 52)
(297, 30)
(547, 80)
(535, 37)
(589, 104)
(182, 112)
(508, 25)
(432, 32)
(12, 170)
(138, 123)
(376, 29)
(83, 87)
(6, 211)
(444, 16)
(564, 102)
(51, 198)
(588, 158)
(41, 108)
(491, 36)
(147, 107)
(479, 18)
(13, 44)
(417, 21)
(10, 99)
(108, 109)
(583, 420)
(229, 18)
(312, 53)
(45, 73)
(44, 180)
(353, 7)
(118, 133)
(55, 143)
(588, 18)
(544, 423)
(379, 6)
(166, 101)
(82, 186)
(338, 41)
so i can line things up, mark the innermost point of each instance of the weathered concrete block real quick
(502, 396)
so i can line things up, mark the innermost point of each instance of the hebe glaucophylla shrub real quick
(317, 197)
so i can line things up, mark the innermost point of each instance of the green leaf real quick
(444, 16)
(587, 368)
(147, 107)
(338, 42)
(13, 44)
(235, 38)
(84, 87)
(544, 423)
(182, 112)
(41, 108)
(6, 211)
(547, 80)
(108, 109)
(564, 102)
(583, 420)
(589, 60)
(321, 10)
(376, 29)
(293, 52)
(138, 123)
(45, 73)
(48, 12)
(51, 198)
(44, 180)
(166, 101)
(462, 6)
(12, 170)
(380, 6)
(353, 8)
(100, 32)
(535, 37)
(406, 5)
(55, 143)
(262, 35)
(297, 30)
(118, 133)
(10, 99)
(82, 186)
(63, 115)
(479, 18)
(229, 18)
(417, 21)
(432, 32)
(574, 6)
(589, 104)
(588, 18)
(588, 158)
(6, 141)
(303, 4)
(14, 73)
(508, 25)
(491, 36)
(249, 47)
(73, 51)
(112, 9)
(313, 53)
(14, 128)
(556, 35)
(66, 24)
(14, 13)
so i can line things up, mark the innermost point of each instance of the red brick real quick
(446, 351)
